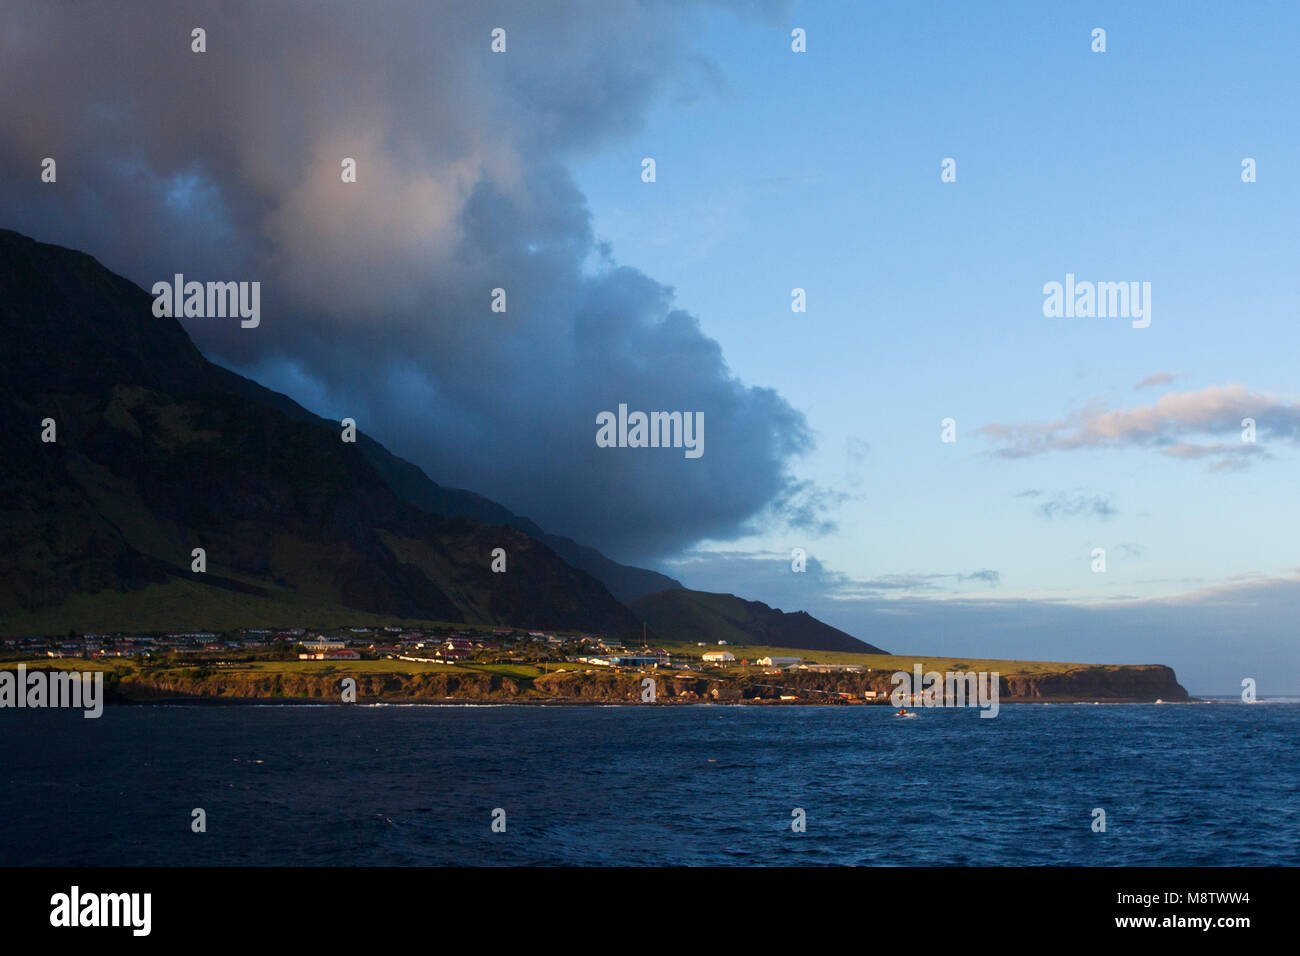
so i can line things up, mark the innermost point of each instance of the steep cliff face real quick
(1110, 683)
(1146, 683)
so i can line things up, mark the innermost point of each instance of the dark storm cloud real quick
(375, 295)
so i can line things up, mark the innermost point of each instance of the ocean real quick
(1195, 784)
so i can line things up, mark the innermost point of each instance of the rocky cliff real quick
(1101, 683)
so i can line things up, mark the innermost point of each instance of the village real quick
(456, 646)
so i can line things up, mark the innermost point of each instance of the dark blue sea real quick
(1197, 784)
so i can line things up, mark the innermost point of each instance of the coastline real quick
(571, 702)
(391, 682)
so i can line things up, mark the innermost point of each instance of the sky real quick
(774, 170)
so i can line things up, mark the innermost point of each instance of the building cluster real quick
(139, 645)
(616, 657)
(433, 644)
(347, 643)
(507, 644)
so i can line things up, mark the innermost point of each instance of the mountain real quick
(413, 486)
(625, 582)
(687, 615)
(159, 452)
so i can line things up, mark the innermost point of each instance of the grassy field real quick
(883, 662)
(69, 664)
(679, 650)
(127, 665)
(180, 605)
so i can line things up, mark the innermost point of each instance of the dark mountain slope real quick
(684, 615)
(412, 485)
(160, 452)
(625, 582)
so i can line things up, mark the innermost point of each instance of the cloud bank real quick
(376, 295)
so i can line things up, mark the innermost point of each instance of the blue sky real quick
(822, 170)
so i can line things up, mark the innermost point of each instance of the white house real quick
(324, 644)
(780, 661)
(720, 657)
